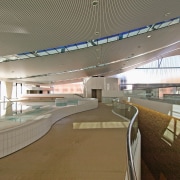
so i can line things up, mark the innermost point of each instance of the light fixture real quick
(13, 58)
(148, 36)
(167, 14)
(95, 3)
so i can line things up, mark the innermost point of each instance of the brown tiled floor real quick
(72, 154)
(145, 172)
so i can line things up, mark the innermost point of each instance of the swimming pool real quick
(15, 113)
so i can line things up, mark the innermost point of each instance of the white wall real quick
(112, 93)
(111, 84)
(108, 84)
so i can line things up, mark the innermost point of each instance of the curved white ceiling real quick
(33, 25)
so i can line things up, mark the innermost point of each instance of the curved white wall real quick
(16, 138)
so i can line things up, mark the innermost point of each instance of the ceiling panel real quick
(33, 25)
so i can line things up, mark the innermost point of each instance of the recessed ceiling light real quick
(167, 14)
(148, 36)
(94, 3)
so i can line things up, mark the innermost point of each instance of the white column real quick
(9, 87)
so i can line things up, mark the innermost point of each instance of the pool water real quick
(15, 113)
(21, 112)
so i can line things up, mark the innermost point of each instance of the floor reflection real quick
(160, 144)
(102, 125)
(172, 131)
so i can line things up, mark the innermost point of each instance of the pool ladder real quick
(7, 99)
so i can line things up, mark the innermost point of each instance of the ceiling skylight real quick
(52, 51)
(91, 43)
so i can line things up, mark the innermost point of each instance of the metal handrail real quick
(7, 99)
(132, 172)
(79, 95)
(8, 106)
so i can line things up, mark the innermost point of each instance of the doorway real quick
(97, 93)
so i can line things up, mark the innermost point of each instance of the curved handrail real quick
(131, 128)
(79, 95)
(132, 172)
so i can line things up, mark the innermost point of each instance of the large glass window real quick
(17, 90)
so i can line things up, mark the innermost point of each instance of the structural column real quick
(9, 87)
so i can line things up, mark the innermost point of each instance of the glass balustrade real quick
(130, 113)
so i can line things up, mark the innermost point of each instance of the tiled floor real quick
(95, 152)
